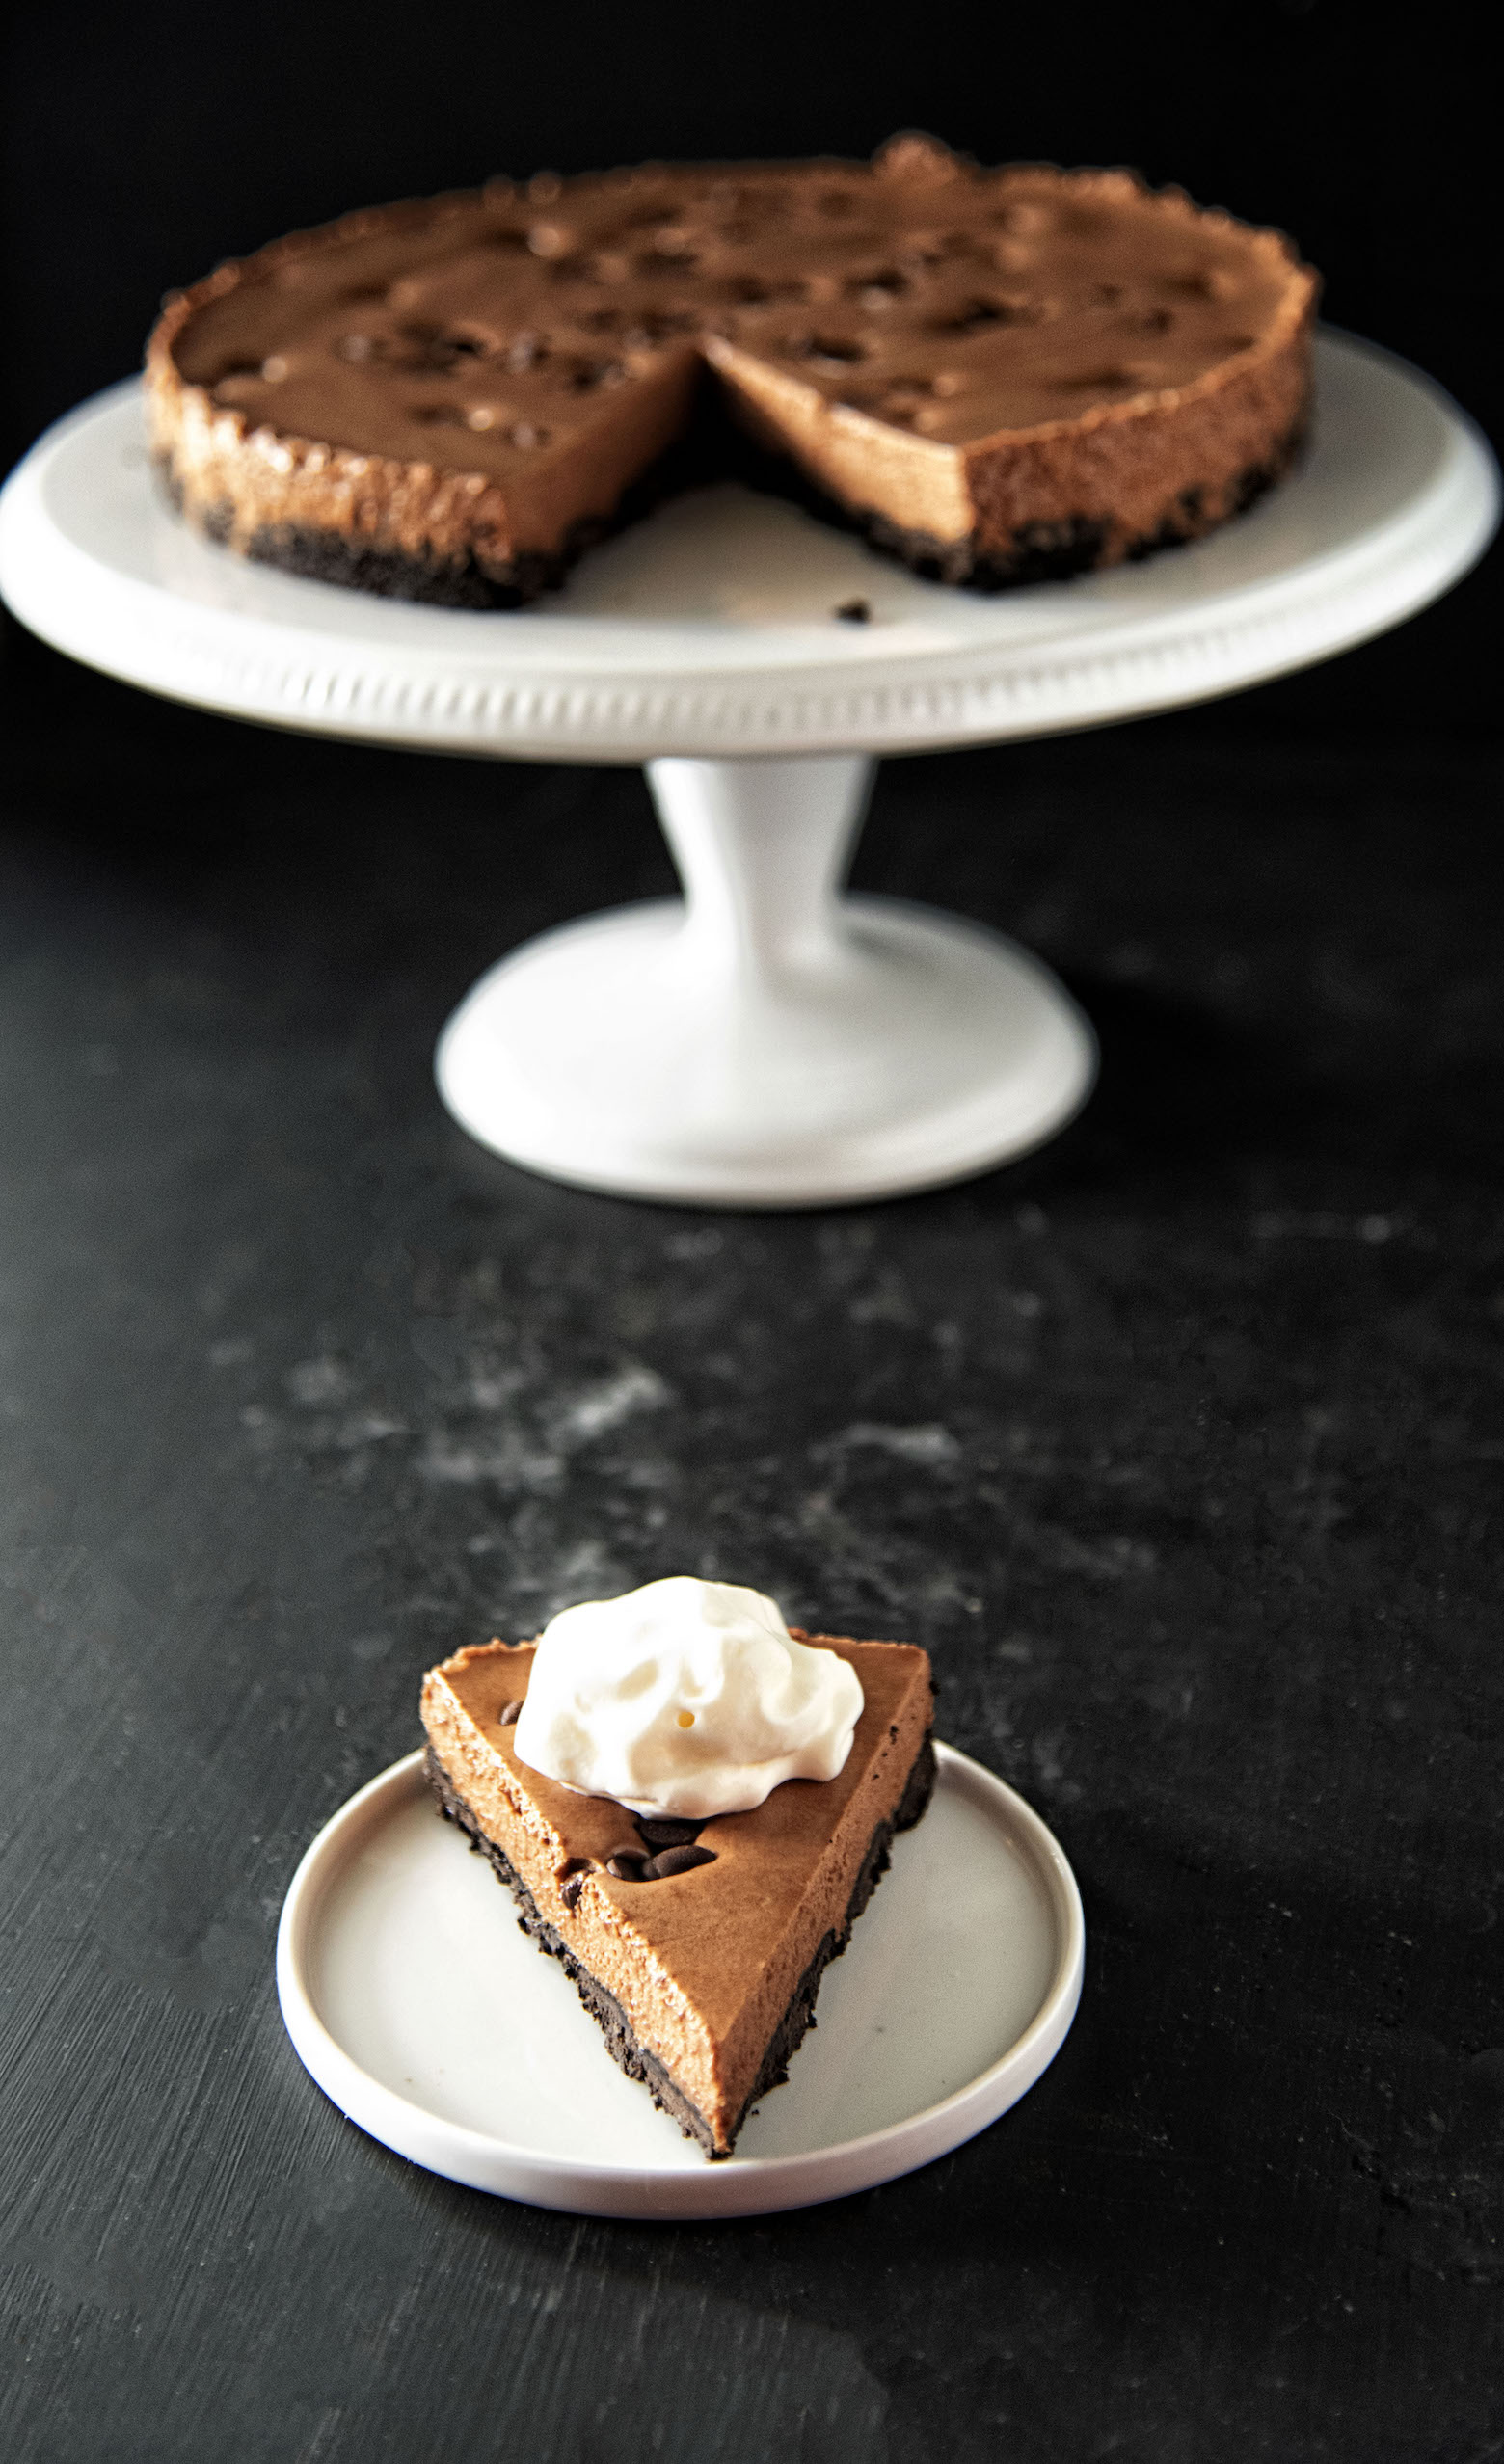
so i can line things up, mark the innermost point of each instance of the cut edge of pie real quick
(703, 1981)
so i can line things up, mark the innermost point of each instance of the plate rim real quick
(873, 697)
(739, 2187)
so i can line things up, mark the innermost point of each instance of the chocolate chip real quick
(975, 313)
(854, 611)
(663, 1831)
(626, 1865)
(834, 350)
(572, 1876)
(676, 1860)
(881, 290)
(591, 373)
(508, 1713)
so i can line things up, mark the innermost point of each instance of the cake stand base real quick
(767, 1042)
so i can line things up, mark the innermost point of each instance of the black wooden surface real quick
(1208, 1554)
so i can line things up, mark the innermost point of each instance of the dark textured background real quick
(1209, 1553)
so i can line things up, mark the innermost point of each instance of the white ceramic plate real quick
(708, 628)
(432, 2021)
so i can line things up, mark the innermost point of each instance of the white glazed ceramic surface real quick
(432, 2021)
(774, 1044)
(768, 1043)
(709, 628)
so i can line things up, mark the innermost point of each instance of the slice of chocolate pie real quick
(999, 376)
(698, 1943)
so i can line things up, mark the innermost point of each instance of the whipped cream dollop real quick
(684, 1698)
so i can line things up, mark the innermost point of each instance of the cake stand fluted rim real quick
(93, 560)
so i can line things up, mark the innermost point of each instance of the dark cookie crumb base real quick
(622, 2042)
(317, 554)
(1039, 550)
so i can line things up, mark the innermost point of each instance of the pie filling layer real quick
(996, 375)
(700, 1960)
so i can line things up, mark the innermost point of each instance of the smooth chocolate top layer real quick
(485, 332)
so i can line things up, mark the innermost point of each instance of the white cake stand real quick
(767, 1042)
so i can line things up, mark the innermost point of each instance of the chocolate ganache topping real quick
(470, 387)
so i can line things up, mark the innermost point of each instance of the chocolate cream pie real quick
(698, 1941)
(998, 376)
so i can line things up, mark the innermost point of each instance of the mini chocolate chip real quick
(509, 1712)
(591, 373)
(881, 290)
(626, 1865)
(676, 1860)
(665, 1830)
(572, 1876)
(974, 314)
(854, 611)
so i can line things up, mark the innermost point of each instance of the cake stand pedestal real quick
(766, 1041)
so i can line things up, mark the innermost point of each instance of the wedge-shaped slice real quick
(704, 1980)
